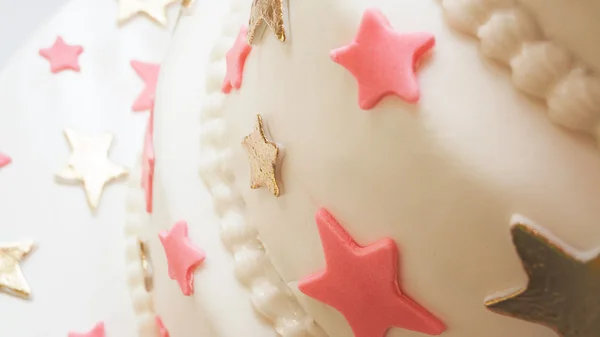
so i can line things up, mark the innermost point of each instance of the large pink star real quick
(382, 60)
(362, 284)
(183, 256)
(148, 162)
(97, 331)
(4, 160)
(148, 72)
(236, 58)
(62, 56)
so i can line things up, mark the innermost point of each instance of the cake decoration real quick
(12, 280)
(89, 164)
(382, 60)
(187, 3)
(155, 10)
(362, 284)
(162, 331)
(4, 160)
(263, 156)
(148, 72)
(146, 265)
(269, 12)
(540, 67)
(236, 58)
(563, 288)
(148, 162)
(62, 56)
(97, 331)
(182, 255)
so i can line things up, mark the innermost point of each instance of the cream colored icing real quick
(442, 178)
(221, 305)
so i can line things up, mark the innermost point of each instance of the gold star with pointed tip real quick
(269, 12)
(563, 291)
(89, 164)
(11, 277)
(155, 10)
(262, 155)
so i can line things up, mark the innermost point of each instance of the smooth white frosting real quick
(220, 305)
(442, 178)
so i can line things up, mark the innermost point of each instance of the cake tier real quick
(220, 306)
(442, 178)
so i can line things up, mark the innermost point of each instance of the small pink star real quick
(97, 331)
(149, 74)
(62, 56)
(183, 256)
(236, 58)
(4, 160)
(162, 331)
(362, 284)
(148, 162)
(382, 60)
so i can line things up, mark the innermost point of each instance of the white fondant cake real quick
(507, 123)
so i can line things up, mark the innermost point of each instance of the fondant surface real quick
(441, 178)
(220, 305)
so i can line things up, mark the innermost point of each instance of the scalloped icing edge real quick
(135, 218)
(270, 296)
(540, 68)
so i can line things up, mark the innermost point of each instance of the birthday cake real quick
(378, 168)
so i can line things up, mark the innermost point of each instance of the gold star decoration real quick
(11, 277)
(89, 164)
(187, 3)
(155, 10)
(262, 155)
(563, 292)
(269, 12)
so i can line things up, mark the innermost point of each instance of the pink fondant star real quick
(97, 331)
(62, 56)
(236, 58)
(382, 60)
(148, 72)
(4, 160)
(183, 256)
(148, 162)
(362, 284)
(162, 331)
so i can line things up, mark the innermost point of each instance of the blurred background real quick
(19, 19)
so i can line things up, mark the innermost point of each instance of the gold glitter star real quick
(563, 292)
(11, 277)
(263, 155)
(90, 165)
(269, 12)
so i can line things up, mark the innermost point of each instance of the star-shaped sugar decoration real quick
(269, 12)
(263, 156)
(148, 72)
(62, 56)
(563, 288)
(148, 162)
(162, 331)
(89, 164)
(4, 160)
(236, 59)
(383, 61)
(97, 331)
(183, 256)
(153, 9)
(362, 284)
(12, 280)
